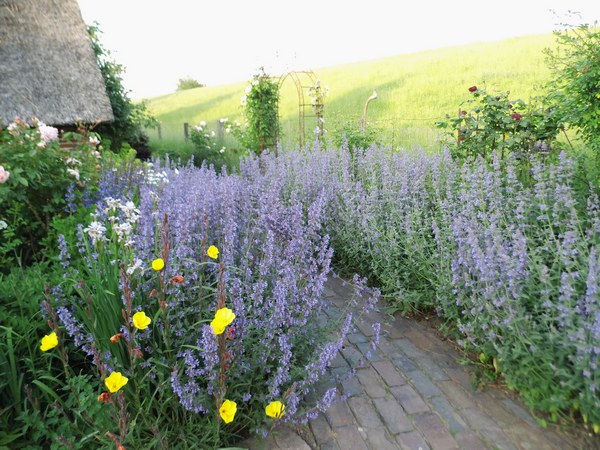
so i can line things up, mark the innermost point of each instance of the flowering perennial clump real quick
(509, 256)
(206, 325)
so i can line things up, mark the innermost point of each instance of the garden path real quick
(413, 393)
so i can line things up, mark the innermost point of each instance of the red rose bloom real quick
(516, 116)
(472, 88)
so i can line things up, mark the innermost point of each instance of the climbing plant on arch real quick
(262, 108)
(262, 113)
(310, 95)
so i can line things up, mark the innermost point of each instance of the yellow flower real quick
(141, 320)
(275, 409)
(115, 381)
(213, 252)
(223, 317)
(158, 264)
(49, 341)
(227, 411)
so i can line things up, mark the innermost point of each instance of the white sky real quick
(224, 41)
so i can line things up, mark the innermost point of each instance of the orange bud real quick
(104, 397)
(162, 304)
(121, 447)
(177, 279)
(230, 332)
(152, 293)
(115, 338)
(137, 352)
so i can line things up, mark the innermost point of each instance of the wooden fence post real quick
(186, 131)
(220, 131)
(159, 129)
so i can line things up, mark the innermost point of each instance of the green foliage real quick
(188, 83)
(497, 124)
(574, 90)
(42, 173)
(22, 393)
(262, 113)
(209, 147)
(72, 421)
(206, 146)
(130, 118)
(355, 135)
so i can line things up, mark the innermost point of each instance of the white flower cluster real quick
(138, 264)
(96, 231)
(122, 217)
(316, 93)
(72, 170)
(155, 178)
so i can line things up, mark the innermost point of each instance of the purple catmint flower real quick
(64, 255)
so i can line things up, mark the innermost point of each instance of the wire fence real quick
(398, 132)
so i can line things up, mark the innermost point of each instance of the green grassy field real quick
(414, 91)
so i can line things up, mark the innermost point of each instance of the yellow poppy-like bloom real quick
(141, 320)
(275, 409)
(158, 264)
(223, 317)
(213, 252)
(49, 341)
(228, 410)
(115, 381)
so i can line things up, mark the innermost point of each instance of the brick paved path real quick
(412, 393)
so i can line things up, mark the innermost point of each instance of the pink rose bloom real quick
(4, 174)
(13, 129)
(48, 133)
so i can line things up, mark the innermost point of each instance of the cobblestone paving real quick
(412, 393)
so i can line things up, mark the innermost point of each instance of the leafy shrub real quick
(188, 83)
(207, 147)
(261, 108)
(130, 118)
(498, 124)
(573, 90)
(355, 135)
(43, 181)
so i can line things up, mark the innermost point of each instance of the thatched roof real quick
(47, 66)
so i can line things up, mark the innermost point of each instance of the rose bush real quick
(40, 180)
